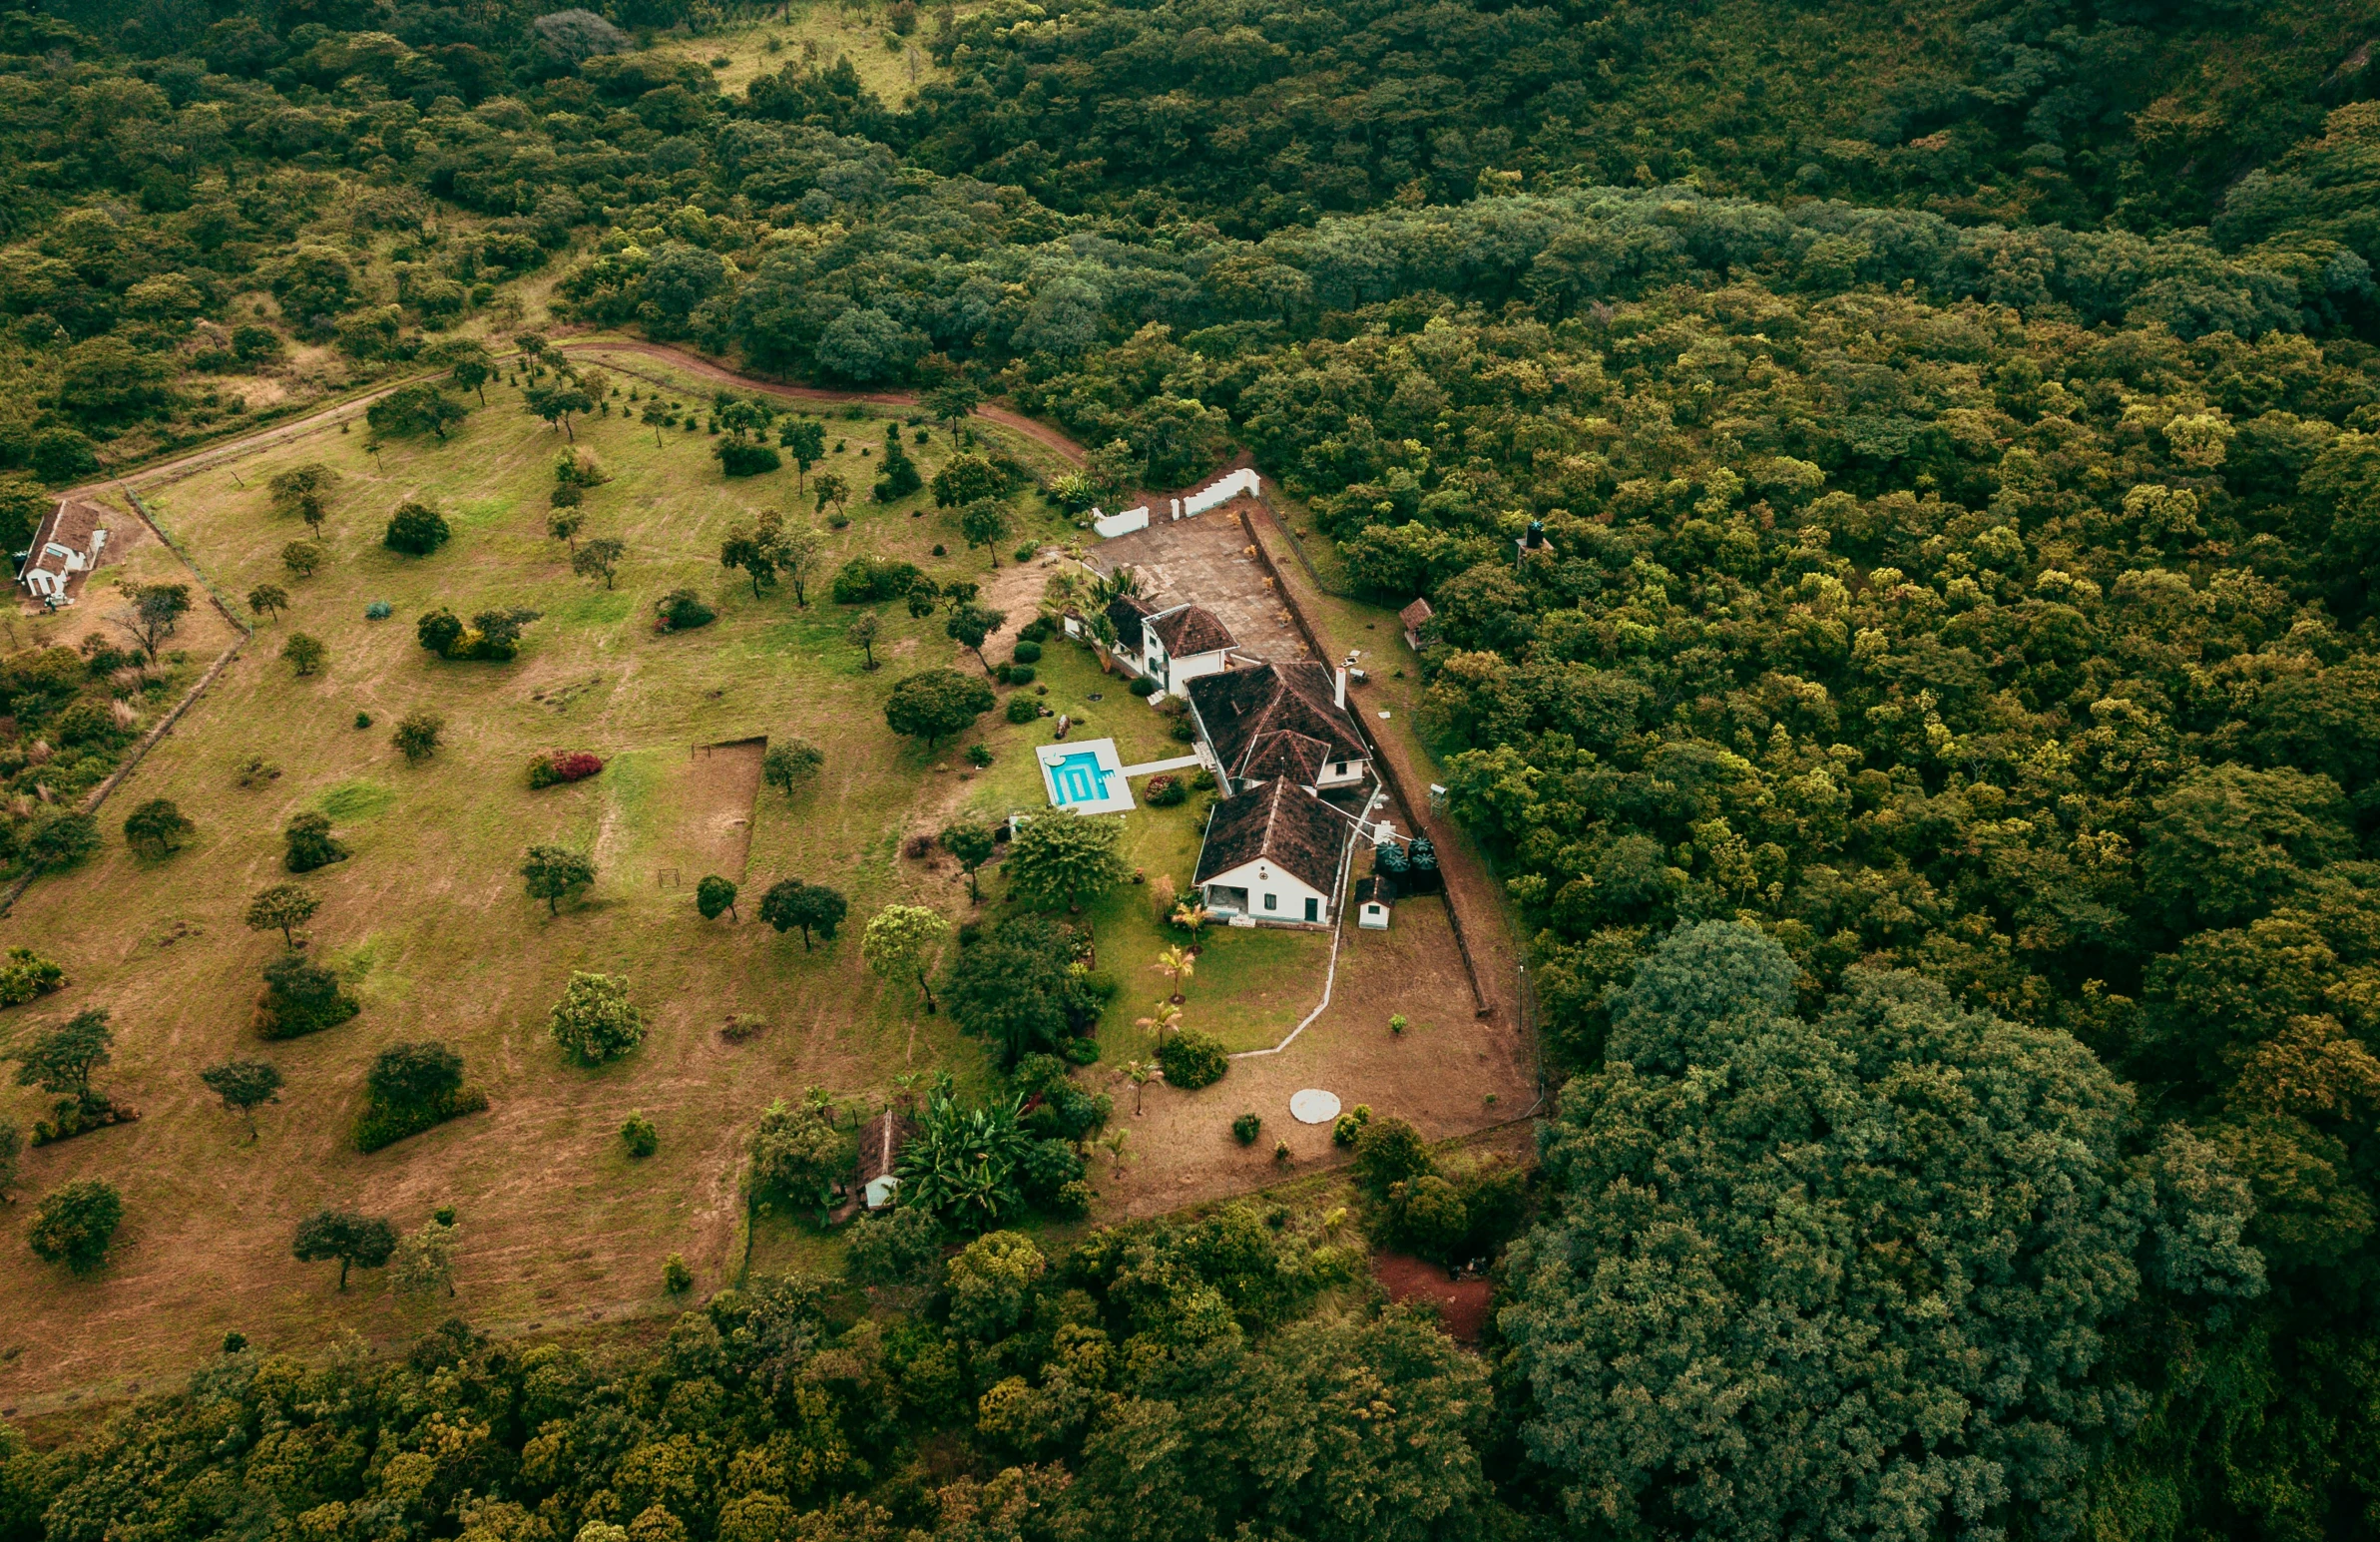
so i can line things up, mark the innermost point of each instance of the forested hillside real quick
(1937, 763)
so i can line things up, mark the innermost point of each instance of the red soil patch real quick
(1462, 1303)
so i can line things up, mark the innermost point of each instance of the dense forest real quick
(1936, 757)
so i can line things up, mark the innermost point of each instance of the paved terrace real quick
(1204, 561)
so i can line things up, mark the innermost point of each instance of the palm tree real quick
(1163, 1016)
(1175, 966)
(1115, 1141)
(1191, 917)
(1139, 1073)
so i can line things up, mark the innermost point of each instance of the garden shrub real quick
(1019, 674)
(872, 579)
(1143, 686)
(1193, 1060)
(556, 766)
(1202, 780)
(1023, 709)
(1244, 1128)
(1345, 1128)
(1027, 651)
(1083, 1051)
(979, 756)
(26, 974)
(640, 1136)
(378, 609)
(493, 636)
(1037, 630)
(300, 997)
(743, 458)
(416, 529)
(1164, 793)
(682, 609)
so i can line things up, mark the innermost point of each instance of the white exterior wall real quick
(1221, 491)
(1120, 524)
(1354, 771)
(1260, 879)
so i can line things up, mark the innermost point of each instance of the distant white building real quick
(69, 540)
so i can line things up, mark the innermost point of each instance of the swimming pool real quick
(1086, 775)
(1077, 779)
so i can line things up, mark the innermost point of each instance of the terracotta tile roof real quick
(1279, 822)
(1190, 629)
(1241, 707)
(1286, 752)
(1126, 613)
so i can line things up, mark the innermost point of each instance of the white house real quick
(1273, 853)
(1281, 721)
(1171, 645)
(68, 541)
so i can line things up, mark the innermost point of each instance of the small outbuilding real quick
(1411, 617)
(880, 1146)
(1372, 899)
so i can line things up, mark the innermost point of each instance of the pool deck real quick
(1101, 751)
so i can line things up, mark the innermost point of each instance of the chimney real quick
(1338, 689)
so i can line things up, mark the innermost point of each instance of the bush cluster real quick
(1193, 1060)
(556, 766)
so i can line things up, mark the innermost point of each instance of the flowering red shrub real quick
(558, 765)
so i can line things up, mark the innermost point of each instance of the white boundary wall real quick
(1222, 491)
(1112, 525)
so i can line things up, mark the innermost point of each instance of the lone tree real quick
(715, 896)
(553, 872)
(416, 735)
(423, 1262)
(796, 548)
(973, 845)
(861, 634)
(968, 624)
(599, 558)
(795, 760)
(61, 1060)
(1064, 857)
(304, 492)
(935, 702)
(904, 939)
(412, 410)
(75, 1225)
(563, 524)
(950, 402)
(556, 403)
(468, 364)
(797, 1155)
(345, 1238)
(269, 600)
(306, 653)
(985, 523)
(967, 479)
(244, 1085)
(804, 439)
(285, 905)
(747, 549)
(812, 908)
(156, 827)
(150, 613)
(834, 488)
(595, 1022)
(303, 558)
(311, 843)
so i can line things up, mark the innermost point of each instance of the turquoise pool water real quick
(1077, 778)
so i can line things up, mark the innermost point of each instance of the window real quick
(1273, 902)
(1313, 910)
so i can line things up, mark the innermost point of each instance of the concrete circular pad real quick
(1314, 1106)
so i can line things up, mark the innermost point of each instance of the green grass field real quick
(429, 922)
